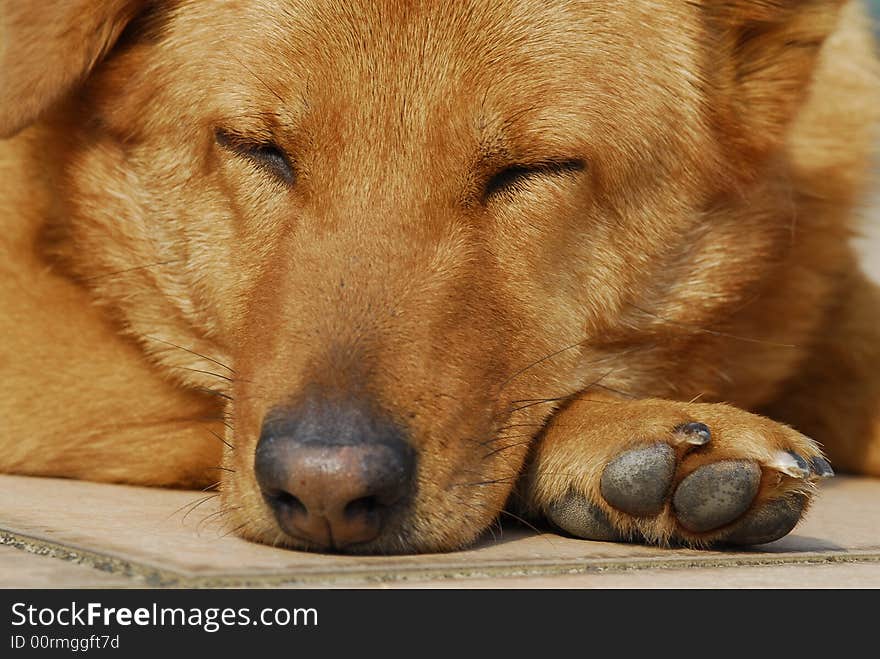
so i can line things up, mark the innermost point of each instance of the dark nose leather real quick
(333, 472)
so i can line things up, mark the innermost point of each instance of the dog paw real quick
(736, 479)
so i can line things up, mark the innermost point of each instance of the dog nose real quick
(333, 473)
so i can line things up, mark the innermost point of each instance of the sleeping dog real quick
(387, 269)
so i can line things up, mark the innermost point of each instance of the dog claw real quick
(577, 516)
(790, 464)
(716, 494)
(696, 434)
(637, 482)
(821, 467)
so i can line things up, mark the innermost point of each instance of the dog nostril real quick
(288, 502)
(363, 506)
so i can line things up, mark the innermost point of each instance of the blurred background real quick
(869, 245)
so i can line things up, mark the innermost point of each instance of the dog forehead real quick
(425, 49)
(532, 78)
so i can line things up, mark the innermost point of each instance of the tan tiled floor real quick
(26, 569)
(824, 575)
(108, 535)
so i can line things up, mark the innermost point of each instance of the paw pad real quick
(716, 494)
(769, 522)
(637, 482)
(575, 515)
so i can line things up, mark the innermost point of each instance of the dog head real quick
(393, 237)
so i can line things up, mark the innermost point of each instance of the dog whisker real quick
(234, 530)
(501, 438)
(231, 446)
(493, 481)
(545, 401)
(192, 352)
(192, 505)
(613, 390)
(520, 425)
(198, 505)
(540, 361)
(481, 511)
(214, 515)
(593, 400)
(528, 524)
(213, 392)
(595, 362)
(198, 370)
(706, 330)
(258, 78)
(222, 419)
(505, 448)
(537, 400)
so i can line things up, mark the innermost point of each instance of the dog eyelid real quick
(265, 154)
(509, 178)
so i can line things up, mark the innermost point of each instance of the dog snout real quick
(333, 473)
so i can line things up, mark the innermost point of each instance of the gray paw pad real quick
(716, 494)
(769, 522)
(582, 519)
(637, 482)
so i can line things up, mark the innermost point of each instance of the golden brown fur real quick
(689, 241)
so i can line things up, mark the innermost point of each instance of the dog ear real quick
(49, 46)
(764, 55)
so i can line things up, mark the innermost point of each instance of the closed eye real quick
(515, 177)
(267, 155)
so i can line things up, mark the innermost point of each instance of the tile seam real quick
(143, 573)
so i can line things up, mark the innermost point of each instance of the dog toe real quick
(576, 515)
(637, 482)
(769, 521)
(716, 494)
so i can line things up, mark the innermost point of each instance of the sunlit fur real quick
(159, 292)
